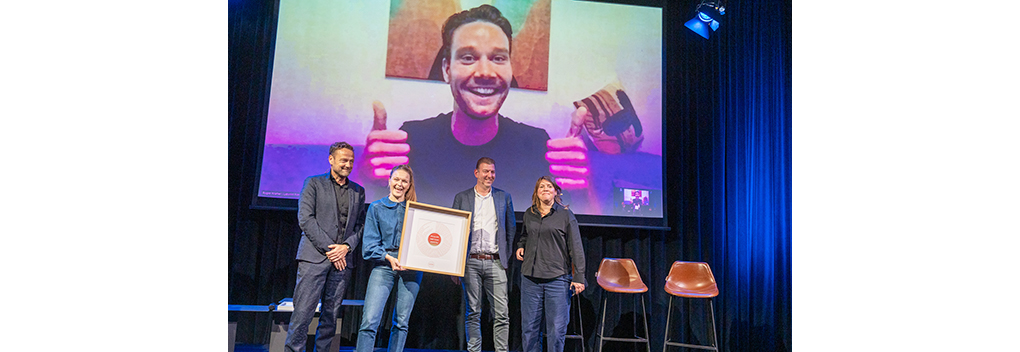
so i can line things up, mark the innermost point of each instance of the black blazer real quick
(318, 221)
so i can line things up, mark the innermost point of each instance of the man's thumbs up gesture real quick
(384, 149)
(568, 156)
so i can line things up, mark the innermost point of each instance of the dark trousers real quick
(549, 298)
(315, 282)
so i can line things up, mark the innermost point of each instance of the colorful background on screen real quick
(415, 37)
(330, 65)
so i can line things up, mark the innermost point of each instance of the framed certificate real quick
(434, 239)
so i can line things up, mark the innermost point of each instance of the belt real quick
(494, 256)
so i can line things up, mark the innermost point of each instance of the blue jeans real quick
(486, 276)
(380, 284)
(549, 298)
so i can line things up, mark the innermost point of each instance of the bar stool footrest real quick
(634, 339)
(678, 344)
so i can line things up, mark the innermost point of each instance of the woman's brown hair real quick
(534, 195)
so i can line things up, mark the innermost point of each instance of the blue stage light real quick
(705, 21)
(698, 26)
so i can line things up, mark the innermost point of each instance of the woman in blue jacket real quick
(384, 222)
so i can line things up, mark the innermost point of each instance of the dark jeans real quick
(549, 298)
(315, 282)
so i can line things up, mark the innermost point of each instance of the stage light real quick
(705, 20)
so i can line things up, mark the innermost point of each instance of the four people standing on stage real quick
(491, 242)
(331, 215)
(384, 224)
(552, 269)
(550, 247)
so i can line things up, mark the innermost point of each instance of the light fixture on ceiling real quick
(706, 17)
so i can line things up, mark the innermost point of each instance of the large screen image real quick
(574, 91)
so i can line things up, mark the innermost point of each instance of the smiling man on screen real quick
(476, 51)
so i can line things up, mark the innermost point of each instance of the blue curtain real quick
(737, 131)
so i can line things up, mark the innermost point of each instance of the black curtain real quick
(728, 162)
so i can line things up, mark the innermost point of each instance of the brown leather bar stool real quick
(620, 275)
(691, 280)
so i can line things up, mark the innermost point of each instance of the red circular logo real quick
(434, 239)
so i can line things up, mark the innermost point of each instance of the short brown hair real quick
(484, 13)
(340, 145)
(484, 160)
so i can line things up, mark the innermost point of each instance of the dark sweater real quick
(443, 166)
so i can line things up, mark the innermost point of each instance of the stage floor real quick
(262, 348)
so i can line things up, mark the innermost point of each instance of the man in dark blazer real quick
(331, 214)
(491, 243)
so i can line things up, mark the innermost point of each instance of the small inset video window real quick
(635, 201)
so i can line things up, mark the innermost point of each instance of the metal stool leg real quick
(580, 325)
(715, 338)
(648, 334)
(602, 323)
(669, 314)
(646, 339)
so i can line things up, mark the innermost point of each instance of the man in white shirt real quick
(493, 227)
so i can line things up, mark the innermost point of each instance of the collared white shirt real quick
(483, 239)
